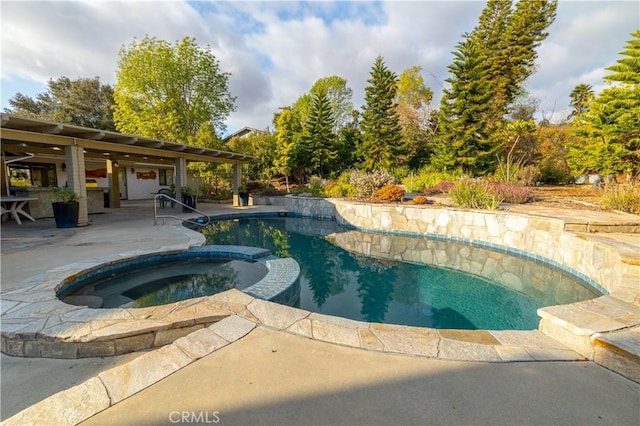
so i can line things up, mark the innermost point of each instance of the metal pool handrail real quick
(173, 200)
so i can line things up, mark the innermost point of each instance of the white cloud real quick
(275, 51)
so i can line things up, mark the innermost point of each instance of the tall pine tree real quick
(503, 46)
(611, 126)
(381, 130)
(462, 127)
(507, 40)
(318, 139)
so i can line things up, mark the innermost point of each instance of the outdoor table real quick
(14, 205)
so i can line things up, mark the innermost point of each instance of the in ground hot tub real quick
(163, 278)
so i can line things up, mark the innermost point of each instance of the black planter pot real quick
(243, 198)
(66, 214)
(189, 200)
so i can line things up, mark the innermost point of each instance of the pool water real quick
(168, 282)
(409, 280)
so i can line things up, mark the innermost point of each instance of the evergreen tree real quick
(462, 127)
(349, 139)
(610, 127)
(493, 63)
(507, 40)
(318, 139)
(381, 130)
(526, 29)
(489, 37)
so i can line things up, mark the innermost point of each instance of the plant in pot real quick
(189, 197)
(243, 195)
(65, 207)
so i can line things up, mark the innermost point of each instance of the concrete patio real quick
(282, 378)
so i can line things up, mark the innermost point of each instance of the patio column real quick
(4, 188)
(237, 172)
(76, 179)
(113, 178)
(181, 176)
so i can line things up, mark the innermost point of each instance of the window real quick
(165, 176)
(32, 174)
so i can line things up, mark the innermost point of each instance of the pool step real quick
(603, 330)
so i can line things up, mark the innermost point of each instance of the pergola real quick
(22, 136)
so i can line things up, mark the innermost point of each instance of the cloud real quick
(275, 51)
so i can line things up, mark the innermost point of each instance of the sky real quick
(275, 51)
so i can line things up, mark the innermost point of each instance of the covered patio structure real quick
(28, 138)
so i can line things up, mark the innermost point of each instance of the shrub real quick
(366, 184)
(554, 173)
(339, 190)
(428, 177)
(64, 194)
(390, 193)
(443, 187)
(512, 193)
(315, 182)
(624, 197)
(529, 175)
(475, 194)
(400, 172)
(420, 200)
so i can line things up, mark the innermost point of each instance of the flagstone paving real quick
(190, 330)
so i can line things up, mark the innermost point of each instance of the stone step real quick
(603, 330)
(604, 227)
(619, 351)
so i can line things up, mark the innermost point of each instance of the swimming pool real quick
(404, 279)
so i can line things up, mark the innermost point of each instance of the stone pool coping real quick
(98, 393)
(36, 323)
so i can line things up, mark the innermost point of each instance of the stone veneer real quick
(542, 238)
(611, 321)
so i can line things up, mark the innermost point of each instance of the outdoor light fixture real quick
(116, 164)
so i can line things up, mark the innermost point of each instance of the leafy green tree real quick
(462, 128)
(411, 88)
(611, 140)
(261, 145)
(318, 139)
(288, 131)
(83, 102)
(381, 130)
(415, 116)
(580, 96)
(169, 91)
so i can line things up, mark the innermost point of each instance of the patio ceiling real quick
(29, 135)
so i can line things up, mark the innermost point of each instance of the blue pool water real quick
(406, 280)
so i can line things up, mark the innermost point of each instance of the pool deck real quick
(329, 358)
